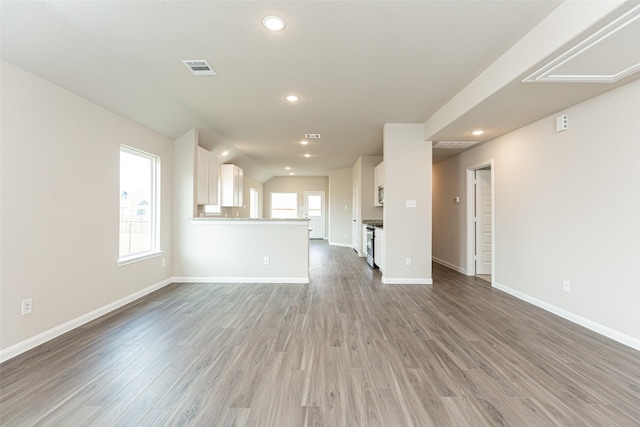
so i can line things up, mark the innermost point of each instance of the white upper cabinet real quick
(231, 186)
(207, 178)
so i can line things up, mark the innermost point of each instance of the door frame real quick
(471, 226)
(355, 218)
(323, 208)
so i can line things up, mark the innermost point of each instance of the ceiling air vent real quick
(312, 135)
(454, 144)
(199, 67)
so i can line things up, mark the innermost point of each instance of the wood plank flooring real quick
(342, 351)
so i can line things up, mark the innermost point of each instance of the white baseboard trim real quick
(345, 245)
(582, 321)
(28, 344)
(449, 265)
(301, 280)
(406, 281)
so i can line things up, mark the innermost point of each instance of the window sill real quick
(138, 257)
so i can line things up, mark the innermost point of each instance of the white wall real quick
(407, 230)
(60, 206)
(340, 189)
(567, 207)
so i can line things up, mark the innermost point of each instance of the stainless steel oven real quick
(370, 248)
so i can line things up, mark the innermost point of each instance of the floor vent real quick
(199, 67)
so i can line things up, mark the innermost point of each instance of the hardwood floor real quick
(342, 351)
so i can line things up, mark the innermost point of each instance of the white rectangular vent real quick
(312, 135)
(199, 67)
(454, 144)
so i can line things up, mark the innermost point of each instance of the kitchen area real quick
(394, 218)
(371, 208)
(372, 235)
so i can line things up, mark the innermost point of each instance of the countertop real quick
(223, 219)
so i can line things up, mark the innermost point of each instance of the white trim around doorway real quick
(470, 227)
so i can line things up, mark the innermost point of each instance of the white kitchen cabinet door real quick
(231, 186)
(364, 240)
(378, 248)
(214, 179)
(206, 178)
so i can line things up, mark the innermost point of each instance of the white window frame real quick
(154, 208)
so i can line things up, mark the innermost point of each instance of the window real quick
(139, 218)
(284, 205)
(253, 203)
(314, 205)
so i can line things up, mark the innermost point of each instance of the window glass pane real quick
(314, 205)
(284, 205)
(212, 209)
(137, 202)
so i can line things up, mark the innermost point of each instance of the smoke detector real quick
(199, 67)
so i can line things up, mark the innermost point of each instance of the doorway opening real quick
(480, 221)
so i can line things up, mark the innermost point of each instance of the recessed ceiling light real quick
(290, 173)
(274, 23)
(303, 142)
(292, 98)
(224, 153)
(288, 168)
(477, 132)
(307, 155)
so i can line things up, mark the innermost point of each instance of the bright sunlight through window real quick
(284, 205)
(139, 175)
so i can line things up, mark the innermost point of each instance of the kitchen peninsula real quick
(230, 250)
(244, 250)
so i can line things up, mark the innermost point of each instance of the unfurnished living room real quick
(327, 213)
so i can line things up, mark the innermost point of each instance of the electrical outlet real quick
(562, 123)
(27, 306)
(566, 286)
(266, 260)
(408, 261)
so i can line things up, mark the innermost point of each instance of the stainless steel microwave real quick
(381, 194)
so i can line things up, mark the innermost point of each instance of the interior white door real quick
(315, 210)
(355, 213)
(484, 206)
